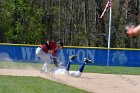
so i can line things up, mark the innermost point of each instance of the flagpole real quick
(109, 34)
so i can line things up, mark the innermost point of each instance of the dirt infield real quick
(92, 82)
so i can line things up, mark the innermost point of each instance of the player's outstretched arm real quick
(133, 31)
(137, 30)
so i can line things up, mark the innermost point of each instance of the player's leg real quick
(68, 65)
(79, 72)
(45, 67)
(41, 54)
(82, 67)
(49, 65)
(47, 58)
(71, 58)
(83, 64)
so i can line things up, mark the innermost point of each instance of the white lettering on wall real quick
(26, 52)
(71, 51)
(81, 53)
(90, 54)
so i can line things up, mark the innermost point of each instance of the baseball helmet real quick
(60, 42)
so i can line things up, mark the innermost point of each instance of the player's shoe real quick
(72, 57)
(87, 60)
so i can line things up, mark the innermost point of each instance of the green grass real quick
(88, 68)
(111, 69)
(15, 84)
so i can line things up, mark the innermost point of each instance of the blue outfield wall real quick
(101, 56)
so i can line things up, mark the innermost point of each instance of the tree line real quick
(75, 22)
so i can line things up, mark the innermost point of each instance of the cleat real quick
(72, 57)
(87, 60)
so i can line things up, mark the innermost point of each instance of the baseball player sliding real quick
(47, 53)
(66, 70)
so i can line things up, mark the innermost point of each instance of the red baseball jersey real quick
(49, 47)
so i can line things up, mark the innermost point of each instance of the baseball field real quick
(16, 77)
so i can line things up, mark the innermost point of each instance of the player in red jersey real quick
(47, 53)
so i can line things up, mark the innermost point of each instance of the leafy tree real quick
(76, 22)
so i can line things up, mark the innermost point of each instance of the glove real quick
(55, 61)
